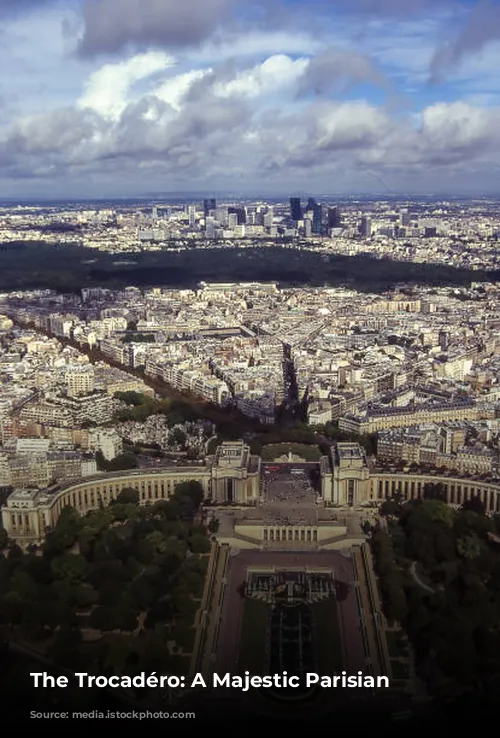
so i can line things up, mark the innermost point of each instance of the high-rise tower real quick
(209, 205)
(295, 208)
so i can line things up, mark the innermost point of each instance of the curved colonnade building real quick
(233, 476)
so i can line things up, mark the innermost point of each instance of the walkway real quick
(416, 578)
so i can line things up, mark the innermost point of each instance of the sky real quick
(117, 98)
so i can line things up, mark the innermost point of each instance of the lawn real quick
(254, 636)
(327, 640)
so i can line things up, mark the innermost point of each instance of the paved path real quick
(416, 578)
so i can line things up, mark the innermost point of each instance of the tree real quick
(85, 597)
(57, 614)
(131, 398)
(438, 510)
(396, 607)
(122, 462)
(141, 594)
(4, 538)
(199, 544)
(195, 584)
(434, 491)
(104, 618)
(109, 593)
(177, 437)
(475, 504)
(187, 510)
(126, 619)
(65, 532)
(128, 496)
(184, 635)
(213, 525)
(15, 552)
(193, 490)
(161, 612)
(389, 507)
(24, 586)
(66, 645)
(100, 461)
(184, 604)
(70, 567)
(117, 657)
(467, 521)
(469, 546)
(38, 568)
(158, 541)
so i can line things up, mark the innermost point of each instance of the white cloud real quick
(237, 105)
(458, 125)
(274, 74)
(107, 91)
(173, 90)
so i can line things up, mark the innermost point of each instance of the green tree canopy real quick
(65, 532)
(193, 490)
(70, 567)
(469, 546)
(199, 544)
(128, 496)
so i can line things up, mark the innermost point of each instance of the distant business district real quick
(412, 231)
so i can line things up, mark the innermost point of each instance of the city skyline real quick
(107, 99)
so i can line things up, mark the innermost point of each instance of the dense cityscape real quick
(250, 364)
(269, 420)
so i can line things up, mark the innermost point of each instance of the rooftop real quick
(350, 451)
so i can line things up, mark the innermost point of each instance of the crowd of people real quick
(289, 499)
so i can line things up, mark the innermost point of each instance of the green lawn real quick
(254, 636)
(327, 641)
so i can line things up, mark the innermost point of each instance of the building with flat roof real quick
(234, 482)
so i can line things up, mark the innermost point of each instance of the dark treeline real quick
(68, 267)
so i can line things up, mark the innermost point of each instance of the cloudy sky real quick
(127, 97)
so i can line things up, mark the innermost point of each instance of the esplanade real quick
(233, 477)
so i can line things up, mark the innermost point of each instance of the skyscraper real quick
(334, 218)
(317, 221)
(240, 212)
(221, 214)
(311, 205)
(295, 208)
(365, 227)
(268, 218)
(209, 205)
(210, 228)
